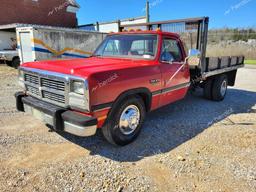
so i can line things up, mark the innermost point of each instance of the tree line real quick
(235, 34)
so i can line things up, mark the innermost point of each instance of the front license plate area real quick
(39, 115)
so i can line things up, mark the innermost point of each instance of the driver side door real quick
(175, 72)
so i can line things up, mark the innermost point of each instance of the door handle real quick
(154, 81)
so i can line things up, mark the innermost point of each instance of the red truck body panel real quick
(111, 77)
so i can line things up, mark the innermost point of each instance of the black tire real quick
(112, 131)
(208, 89)
(217, 94)
(16, 62)
(9, 63)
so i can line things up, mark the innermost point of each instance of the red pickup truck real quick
(129, 75)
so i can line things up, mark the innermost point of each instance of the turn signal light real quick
(131, 30)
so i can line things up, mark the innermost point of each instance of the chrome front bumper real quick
(60, 119)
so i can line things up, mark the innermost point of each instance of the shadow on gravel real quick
(171, 126)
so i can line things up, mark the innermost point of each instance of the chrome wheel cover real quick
(223, 88)
(129, 119)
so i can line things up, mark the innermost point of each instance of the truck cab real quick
(8, 48)
(129, 74)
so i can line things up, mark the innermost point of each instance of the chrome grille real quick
(31, 79)
(53, 97)
(53, 84)
(33, 90)
(51, 89)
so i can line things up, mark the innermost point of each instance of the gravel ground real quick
(192, 145)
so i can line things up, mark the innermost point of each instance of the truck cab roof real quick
(156, 32)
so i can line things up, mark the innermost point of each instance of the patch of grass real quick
(250, 62)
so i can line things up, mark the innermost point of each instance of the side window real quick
(171, 51)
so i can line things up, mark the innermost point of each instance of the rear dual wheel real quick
(216, 89)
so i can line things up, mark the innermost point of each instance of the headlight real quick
(79, 95)
(78, 87)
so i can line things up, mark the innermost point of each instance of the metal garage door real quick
(25, 45)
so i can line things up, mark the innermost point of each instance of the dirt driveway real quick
(192, 145)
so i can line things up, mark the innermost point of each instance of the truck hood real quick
(86, 67)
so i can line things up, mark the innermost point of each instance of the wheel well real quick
(16, 57)
(144, 93)
(231, 77)
(147, 100)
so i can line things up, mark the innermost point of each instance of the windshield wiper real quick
(96, 55)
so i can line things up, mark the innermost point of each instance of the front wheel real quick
(16, 62)
(125, 121)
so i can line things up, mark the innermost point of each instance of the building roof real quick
(15, 26)
(109, 22)
(73, 3)
(12, 26)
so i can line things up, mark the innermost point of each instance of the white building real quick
(113, 26)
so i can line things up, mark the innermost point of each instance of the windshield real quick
(129, 46)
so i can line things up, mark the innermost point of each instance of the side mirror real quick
(194, 53)
(194, 57)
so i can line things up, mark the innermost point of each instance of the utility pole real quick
(147, 12)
